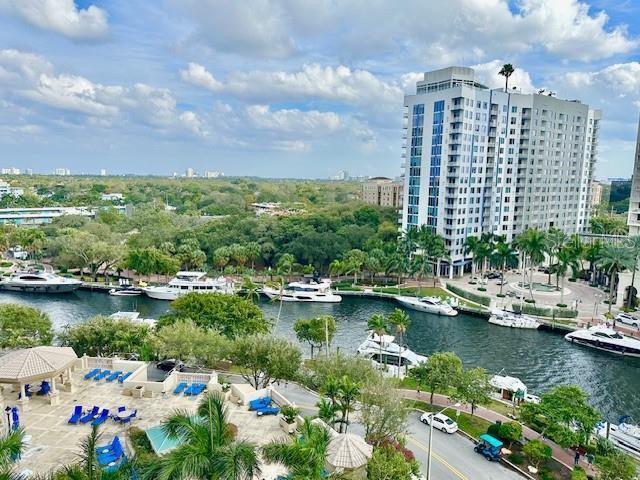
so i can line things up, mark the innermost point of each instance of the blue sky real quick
(289, 88)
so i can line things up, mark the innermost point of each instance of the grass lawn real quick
(472, 425)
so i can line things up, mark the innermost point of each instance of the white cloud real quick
(487, 73)
(292, 120)
(196, 74)
(60, 16)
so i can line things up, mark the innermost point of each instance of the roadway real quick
(452, 458)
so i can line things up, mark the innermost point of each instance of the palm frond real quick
(237, 461)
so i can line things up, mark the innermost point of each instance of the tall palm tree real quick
(208, 450)
(249, 289)
(592, 253)
(378, 325)
(422, 266)
(634, 246)
(533, 243)
(613, 259)
(471, 246)
(286, 263)
(336, 267)
(566, 259)
(327, 411)
(556, 239)
(504, 256)
(355, 260)
(439, 252)
(506, 71)
(349, 394)
(305, 456)
(400, 321)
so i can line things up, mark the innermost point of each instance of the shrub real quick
(482, 300)
(5, 264)
(289, 413)
(516, 459)
(510, 432)
(494, 430)
(529, 300)
(561, 305)
(500, 295)
(572, 279)
(482, 289)
(578, 474)
(537, 452)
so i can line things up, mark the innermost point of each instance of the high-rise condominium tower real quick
(480, 160)
(633, 220)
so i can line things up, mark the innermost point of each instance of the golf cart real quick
(489, 447)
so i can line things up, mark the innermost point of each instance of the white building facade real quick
(480, 160)
(633, 220)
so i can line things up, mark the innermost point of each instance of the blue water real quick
(541, 359)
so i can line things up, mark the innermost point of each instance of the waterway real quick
(541, 359)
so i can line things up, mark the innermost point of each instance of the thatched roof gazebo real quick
(30, 365)
(349, 453)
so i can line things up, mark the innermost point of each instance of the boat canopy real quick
(512, 384)
(494, 442)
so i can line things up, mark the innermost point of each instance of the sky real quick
(286, 88)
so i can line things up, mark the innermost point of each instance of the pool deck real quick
(53, 442)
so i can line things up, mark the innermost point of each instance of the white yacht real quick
(428, 304)
(133, 317)
(513, 320)
(39, 282)
(625, 435)
(604, 338)
(187, 282)
(310, 289)
(126, 292)
(382, 350)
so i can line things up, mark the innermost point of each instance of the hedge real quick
(482, 300)
(546, 312)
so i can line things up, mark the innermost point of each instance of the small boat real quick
(34, 281)
(510, 389)
(625, 435)
(513, 320)
(602, 337)
(133, 317)
(188, 282)
(382, 350)
(428, 304)
(126, 292)
(310, 289)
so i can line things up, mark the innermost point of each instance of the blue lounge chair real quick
(75, 417)
(128, 418)
(116, 466)
(259, 403)
(102, 418)
(113, 376)
(45, 388)
(180, 388)
(124, 377)
(268, 411)
(92, 373)
(90, 415)
(110, 447)
(101, 375)
(195, 389)
(110, 453)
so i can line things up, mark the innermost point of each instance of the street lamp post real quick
(431, 437)
(7, 412)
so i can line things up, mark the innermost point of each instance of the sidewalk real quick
(562, 455)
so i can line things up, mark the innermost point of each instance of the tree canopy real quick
(22, 326)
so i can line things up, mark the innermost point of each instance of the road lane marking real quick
(455, 471)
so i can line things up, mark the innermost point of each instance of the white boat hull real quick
(274, 294)
(41, 288)
(514, 324)
(603, 347)
(414, 304)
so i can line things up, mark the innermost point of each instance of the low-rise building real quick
(7, 189)
(382, 191)
(39, 216)
(112, 197)
(212, 174)
(62, 172)
(274, 209)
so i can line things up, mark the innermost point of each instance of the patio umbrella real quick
(15, 415)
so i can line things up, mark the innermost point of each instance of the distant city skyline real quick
(279, 89)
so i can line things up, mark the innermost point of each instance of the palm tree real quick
(10, 449)
(504, 255)
(349, 393)
(421, 265)
(208, 450)
(566, 259)
(400, 321)
(634, 246)
(556, 239)
(533, 243)
(439, 252)
(373, 262)
(336, 267)
(285, 264)
(395, 263)
(253, 250)
(592, 253)
(506, 71)
(327, 411)
(471, 246)
(613, 259)
(354, 261)
(305, 456)
(249, 289)
(378, 325)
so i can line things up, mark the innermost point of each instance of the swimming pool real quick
(160, 441)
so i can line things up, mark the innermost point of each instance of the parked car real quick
(628, 319)
(493, 275)
(544, 269)
(502, 281)
(440, 422)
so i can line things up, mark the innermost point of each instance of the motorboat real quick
(625, 435)
(383, 351)
(604, 338)
(126, 292)
(133, 317)
(40, 282)
(513, 320)
(510, 389)
(433, 305)
(188, 282)
(309, 289)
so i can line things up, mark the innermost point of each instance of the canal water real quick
(541, 359)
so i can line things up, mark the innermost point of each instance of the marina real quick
(540, 358)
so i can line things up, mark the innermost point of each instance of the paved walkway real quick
(562, 455)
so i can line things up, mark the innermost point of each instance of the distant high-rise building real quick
(382, 191)
(340, 176)
(28, 171)
(480, 160)
(633, 218)
(212, 174)
(596, 193)
(189, 172)
(62, 172)
(103, 172)
(10, 171)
